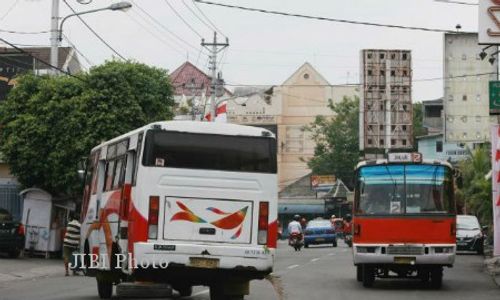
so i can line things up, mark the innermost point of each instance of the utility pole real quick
(54, 39)
(214, 48)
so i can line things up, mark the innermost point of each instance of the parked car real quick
(11, 234)
(320, 232)
(469, 234)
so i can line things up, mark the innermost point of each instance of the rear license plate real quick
(320, 240)
(205, 263)
(405, 260)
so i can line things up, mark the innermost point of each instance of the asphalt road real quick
(314, 273)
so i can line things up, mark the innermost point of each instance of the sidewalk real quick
(493, 268)
(29, 268)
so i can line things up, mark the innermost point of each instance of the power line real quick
(94, 32)
(164, 27)
(273, 12)
(457, 2)
(9, 10)
(183, 20)
(38, 59)
(24, 32)
(90, 63)
(196, 15)
(208, 19)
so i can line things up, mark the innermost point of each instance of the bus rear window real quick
(171, 149)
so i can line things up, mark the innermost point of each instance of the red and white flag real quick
(220, 113)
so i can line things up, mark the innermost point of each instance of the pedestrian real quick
(71, 242)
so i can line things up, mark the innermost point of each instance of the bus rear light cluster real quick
(263, 223)
(154, 209)
(453, 229)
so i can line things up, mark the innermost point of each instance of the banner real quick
(495, 163)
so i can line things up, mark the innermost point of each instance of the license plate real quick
(405, 260)
(205, 263)
(462, 244)
(320, 240)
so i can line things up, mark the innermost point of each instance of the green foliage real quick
(418, 126)
(50, 123)
(476, 189)
(337, 144)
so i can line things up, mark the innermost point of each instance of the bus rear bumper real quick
(259, 259)
(377, 254)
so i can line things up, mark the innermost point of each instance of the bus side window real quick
(110, 168)
(95, 171)
(129, 170)
(118, 175)
(137, 156)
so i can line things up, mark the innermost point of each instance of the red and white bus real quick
(404, 219)
(183, 203)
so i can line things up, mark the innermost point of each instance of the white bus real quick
(183, 203)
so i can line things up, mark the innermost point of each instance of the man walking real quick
(71, 242)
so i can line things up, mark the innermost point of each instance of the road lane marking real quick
(293, 267)
(314, 259)
(331, 254)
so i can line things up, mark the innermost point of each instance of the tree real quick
(418, 126)
(336, 138)
(50, 123)
(476, 189)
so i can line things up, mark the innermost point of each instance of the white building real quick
(466, 99)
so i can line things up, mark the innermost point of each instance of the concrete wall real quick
(466, 103)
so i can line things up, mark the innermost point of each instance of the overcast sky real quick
(264, 49)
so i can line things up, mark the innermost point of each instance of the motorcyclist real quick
(294, 226)
(347, 224)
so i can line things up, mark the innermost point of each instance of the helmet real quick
(296, 218)
(333, 217)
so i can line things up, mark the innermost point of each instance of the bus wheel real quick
(105, 289)
(368, 276)
(437, 277)
(359, 273)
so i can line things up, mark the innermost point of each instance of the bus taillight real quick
(263, 223)
(154, 209)
(357, 229)
(453, 230)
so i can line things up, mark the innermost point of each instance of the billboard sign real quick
(494, 93)
(489, 22)
(318, 181)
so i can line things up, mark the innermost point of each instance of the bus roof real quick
(197, 127)
(375, 162)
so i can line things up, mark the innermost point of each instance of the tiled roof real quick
(188, 78)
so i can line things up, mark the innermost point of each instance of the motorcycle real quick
(296, 241)
(348, 239)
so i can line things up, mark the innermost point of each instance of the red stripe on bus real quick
(405, 230)
(272, 234)
(137, 228)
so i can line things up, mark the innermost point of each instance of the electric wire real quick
(94, 32)
(89, 62)
(183, 20)
(208, 19)
(24, 32)
(164, 27)
(9, 10)
(38, 59)
(196, 16)
(273, 12)
(457, 2)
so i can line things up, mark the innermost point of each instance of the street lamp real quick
(120, 6)
(56, 33)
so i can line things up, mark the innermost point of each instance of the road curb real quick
(493, 268)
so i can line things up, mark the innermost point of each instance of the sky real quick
(264, 49)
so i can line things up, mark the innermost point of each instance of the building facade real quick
(293, 105)
(434, 146)
(385, 104)
(466, 104)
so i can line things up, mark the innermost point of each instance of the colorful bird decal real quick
(186, 215)
(229, 222)
(232, 221)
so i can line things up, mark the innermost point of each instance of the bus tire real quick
(436, 277)
(104, 289)
(184, 291)
(368, 276)
(335, 243)
(359, 273)
(217, 293)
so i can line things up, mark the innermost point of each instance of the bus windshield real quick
(404, 189)
(171, 149)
